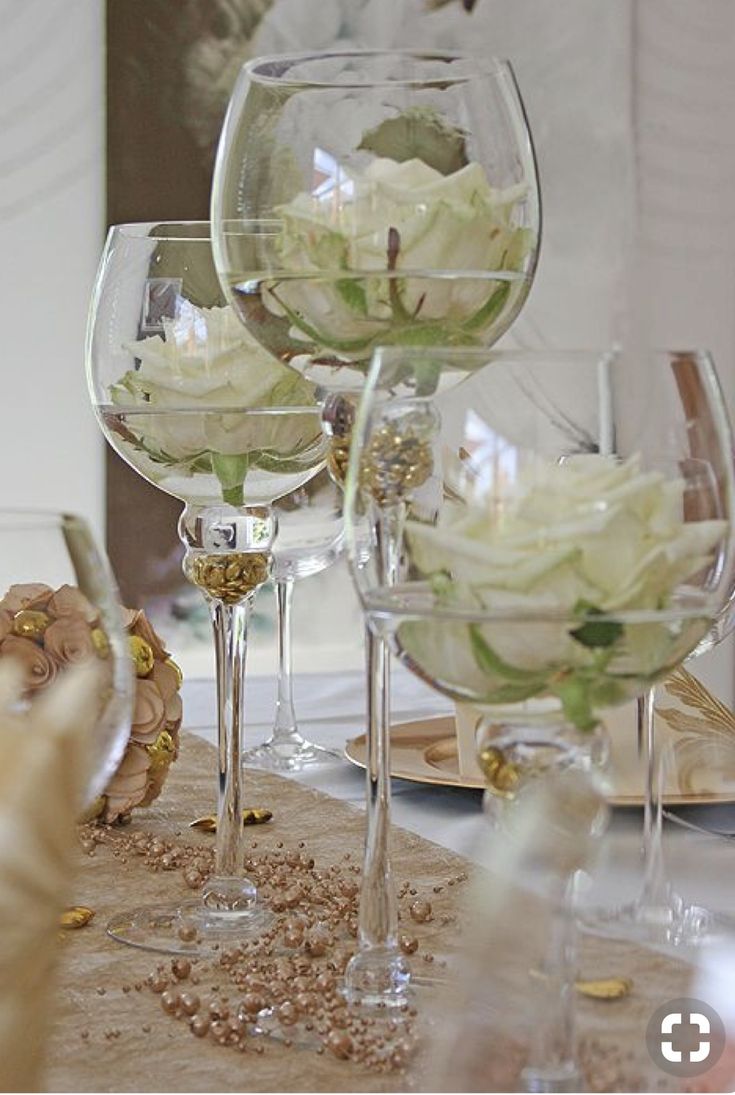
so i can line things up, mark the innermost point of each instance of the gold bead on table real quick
(76, 917)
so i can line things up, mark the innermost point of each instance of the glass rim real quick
(257, 68)
(374, 605)
(141, 230)
(559, 355)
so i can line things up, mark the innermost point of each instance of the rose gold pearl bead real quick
(156, 983)
(305, 1002)
(287, 1013)
(324, 982)
(315, 946)
(340, 1017)
(219, 1030)
(252, 1003)
(408, 944)
(169, 1001)
(181, 968)
(187, 933)
(420, 910)
(189, 1003)
(340, 1044)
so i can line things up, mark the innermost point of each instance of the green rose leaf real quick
(353, 294)
(593, 633)
(419, 133)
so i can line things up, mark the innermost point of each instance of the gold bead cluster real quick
(228, 577)
(394, 464)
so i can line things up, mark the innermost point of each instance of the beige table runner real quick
(111, 1036)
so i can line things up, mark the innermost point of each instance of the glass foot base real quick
(289, 756)
(564, 1078)
(377, 978)
(674, 924)
(187, 928)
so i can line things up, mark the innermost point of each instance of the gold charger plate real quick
(425, 751)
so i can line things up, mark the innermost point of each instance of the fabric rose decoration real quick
(402, 218)
(206, 361)
(45, 631)
(156, 722)
(557, 556)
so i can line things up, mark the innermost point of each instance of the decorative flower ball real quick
(46, 629)
(156, 721)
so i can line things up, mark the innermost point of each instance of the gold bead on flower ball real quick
(142, 772)
(101, 642)
(30, 623)
(142, 653)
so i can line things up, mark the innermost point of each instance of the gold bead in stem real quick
(229, 577)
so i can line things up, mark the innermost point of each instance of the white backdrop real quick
(51, 225)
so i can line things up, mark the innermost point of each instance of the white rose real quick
(411, 218)
(206, 360)
(566, 542)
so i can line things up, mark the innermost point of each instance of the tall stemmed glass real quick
(544, 539)
(309, 540)
(201, 411)
(660, 915)
(403, 198)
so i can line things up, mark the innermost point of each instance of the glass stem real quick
(656, 891)
(227, 557)
(378, 916)
(552, 1063)
(285, 730)
(378, 974)
(230, 625)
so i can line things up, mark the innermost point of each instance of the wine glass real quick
(309, 540)
(200, 410)
(58, 611)
(545, 539)
(402, 193)
(374, 197)
(659, 915)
